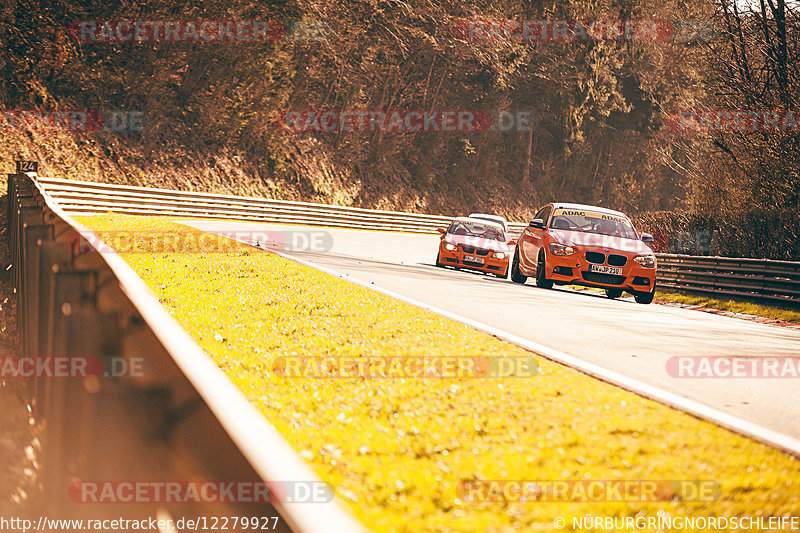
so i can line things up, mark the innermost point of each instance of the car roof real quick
(559, 205)
(479, 221)
(481, 215)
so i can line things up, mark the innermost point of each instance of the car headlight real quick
(450, 246)
(647, 261)
(560, 249)
(499, 255)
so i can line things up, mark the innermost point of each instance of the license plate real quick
(603, 269)
(474, 259)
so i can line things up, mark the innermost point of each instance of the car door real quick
(532, 239)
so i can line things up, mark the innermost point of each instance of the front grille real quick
(608, 279)
(473, 264)
(596, 257)
(469, 249)
(617, 260)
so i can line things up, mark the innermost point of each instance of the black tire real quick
(645, 297)
(541, 273)
(613, 293)
(438, 261)
(516, 275)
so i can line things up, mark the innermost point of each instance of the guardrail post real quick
(714, 271)
(33, 238)
(29, 215)
(764, 268)
(10, 204)
(67, 292)
(53, 258)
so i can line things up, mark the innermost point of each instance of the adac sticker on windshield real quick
(589, 214)
(570, 212)
(613, 217)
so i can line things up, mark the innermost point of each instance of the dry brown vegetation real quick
(601, 133)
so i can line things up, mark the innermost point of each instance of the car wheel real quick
(541, 274)
(438, 260)
(516, 276)
(613, 293)
(645, 297)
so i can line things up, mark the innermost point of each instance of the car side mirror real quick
(512, 242)
(537, 223)
(441, 230)
(646, 237)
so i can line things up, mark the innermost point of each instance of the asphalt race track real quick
(620, 335)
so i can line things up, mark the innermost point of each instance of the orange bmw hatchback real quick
(586, 245)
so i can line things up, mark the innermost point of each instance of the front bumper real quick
(491, 264)
(574, 270)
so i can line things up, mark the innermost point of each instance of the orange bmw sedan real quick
(475, 244)
(586, 245)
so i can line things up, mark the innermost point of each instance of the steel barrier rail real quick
(73, 195)
(91, 198)
(181, 420)
(751, 278)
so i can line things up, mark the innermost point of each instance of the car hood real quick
(596, 240)
(488, 244)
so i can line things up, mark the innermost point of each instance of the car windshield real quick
(593, 222)
(497, 221)
(476, 229)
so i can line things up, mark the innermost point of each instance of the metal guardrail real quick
(750, 278)
(181, 420)
(87, 198)
(83, 197)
